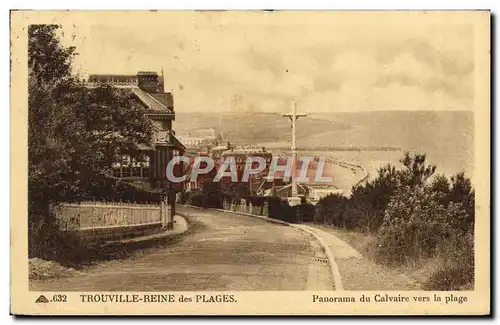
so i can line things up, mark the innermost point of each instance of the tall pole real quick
(293, 117)
(162, 80)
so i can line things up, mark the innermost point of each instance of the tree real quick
(462, 192)
(366, 207)
(74, 133)
(212, 195)
(416, 172)
(373, 197)
(459, 191)
(330, 209)
(440, 184)
(49, 62)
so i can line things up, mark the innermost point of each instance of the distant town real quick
(148, 88)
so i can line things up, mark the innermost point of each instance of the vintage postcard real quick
(250, 162)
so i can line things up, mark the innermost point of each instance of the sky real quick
(263, 61)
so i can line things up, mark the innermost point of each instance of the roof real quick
(147, 73)
(164, 98)
(247, 153)
(95, 75)
(144, 147)
(177, 144)
(160, 103)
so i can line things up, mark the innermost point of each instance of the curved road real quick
(227, 252)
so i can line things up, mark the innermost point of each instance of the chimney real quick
(148, 81)
(162, 82)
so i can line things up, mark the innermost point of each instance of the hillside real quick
(446, 137)
(254, 128)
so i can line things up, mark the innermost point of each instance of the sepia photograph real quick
(216, 158)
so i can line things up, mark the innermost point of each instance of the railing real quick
(333, 148)
(94, 215)
(245, 207)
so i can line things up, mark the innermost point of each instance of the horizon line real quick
(323, 112)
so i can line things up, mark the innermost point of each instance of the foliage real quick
(457, 272)
(305, 212)
(416, 225)
(415, 215)
(47, 56)
(370, 200)
(331, 209)
(416, 172)
(212, 195)
(185, 197)
(114, 190)
(281, 210)
(462, 192)
(197, 199)
(257, 200)
(74, 133)
(234, 191)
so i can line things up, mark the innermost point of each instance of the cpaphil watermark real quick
(228, 168)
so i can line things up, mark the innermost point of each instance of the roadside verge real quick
(84, 255)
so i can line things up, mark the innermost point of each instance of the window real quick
(126, 172)
(126, 160)
(135, 172)
(129, 167)
(117, 172)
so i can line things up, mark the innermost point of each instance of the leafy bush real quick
(209, 197)
(330, 209)
(197, 199)
(212, 195)
(274, 207)
(457, 272)
(305, 212)
(185, 197)
(112, 189)
(256, 200)
(414, 214)
(416, 225)
(281, 210)
(45, 239)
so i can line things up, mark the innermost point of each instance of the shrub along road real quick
(228, 252)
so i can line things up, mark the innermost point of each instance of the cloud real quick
(268, 60)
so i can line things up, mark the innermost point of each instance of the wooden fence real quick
(245, 207)
(95, 215)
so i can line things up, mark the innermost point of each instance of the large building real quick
(191, 142)
(240, 156)
(148, 91)
(199, 138)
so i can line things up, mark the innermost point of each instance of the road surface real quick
(227, 252)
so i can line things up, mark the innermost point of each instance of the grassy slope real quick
(420, 271)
